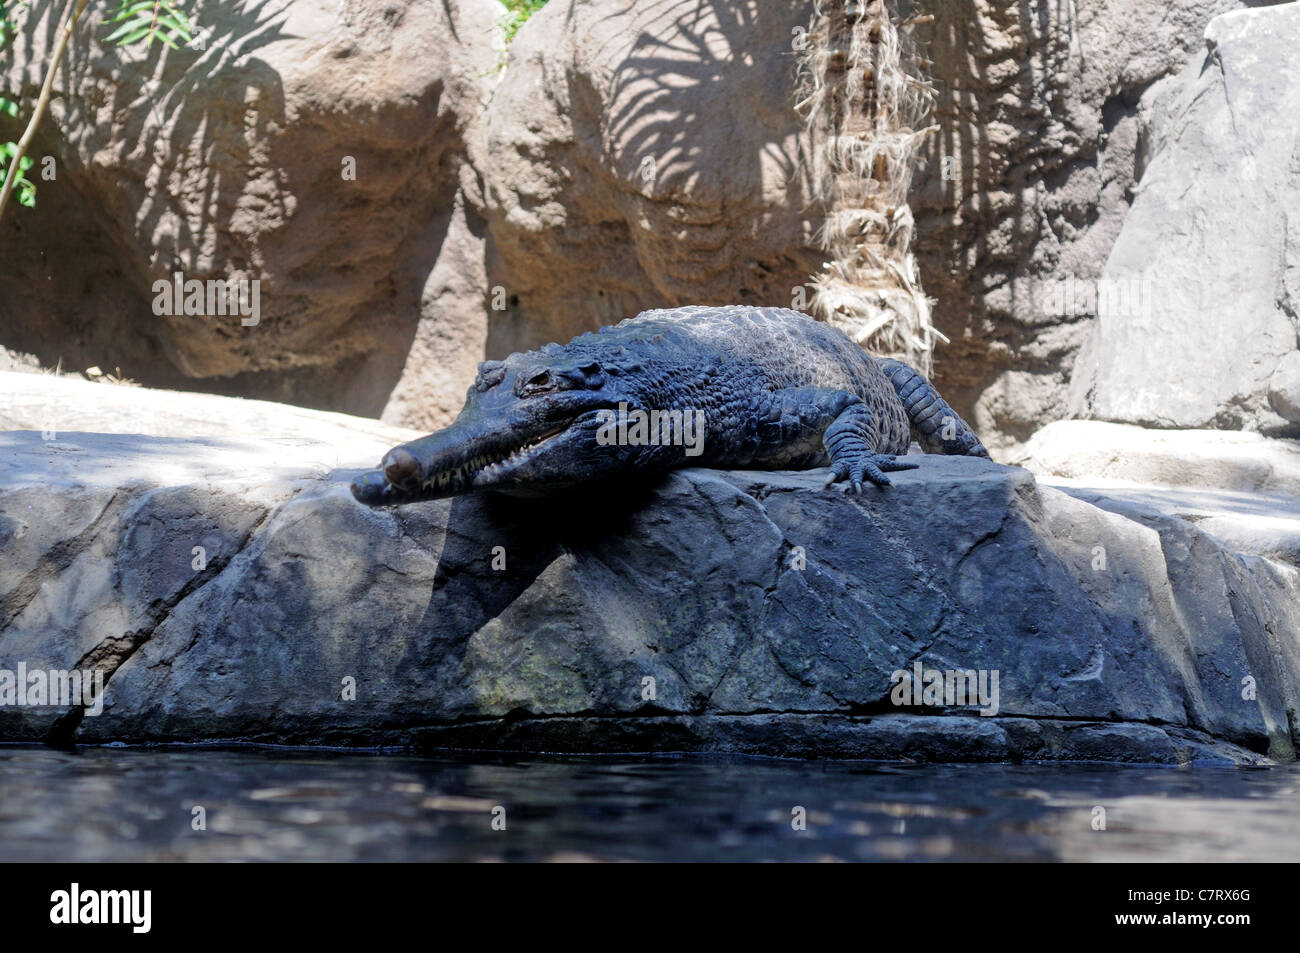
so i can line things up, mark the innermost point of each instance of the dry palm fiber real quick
(866, 104)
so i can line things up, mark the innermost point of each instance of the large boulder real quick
(1210, 254)
(638, 156)
(313, 146)
(1046, 114)
(720, 611)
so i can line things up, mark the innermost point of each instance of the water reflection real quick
(122, 804)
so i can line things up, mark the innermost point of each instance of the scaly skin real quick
(776, 390)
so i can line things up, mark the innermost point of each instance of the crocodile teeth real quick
(486, 464)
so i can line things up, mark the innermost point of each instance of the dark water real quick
(127, 804)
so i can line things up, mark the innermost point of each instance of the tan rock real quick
(233, 162)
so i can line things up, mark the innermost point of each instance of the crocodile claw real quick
(866, 467)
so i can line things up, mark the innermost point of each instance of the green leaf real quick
(123, 30)
(134, 37)
(128, 16)
(517, 14)
(177, 23)
(25, 187)
(149, 20)
(129, 10)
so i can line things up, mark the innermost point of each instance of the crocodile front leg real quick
(853, 440)
(801, 427)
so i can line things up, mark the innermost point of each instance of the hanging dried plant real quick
(866, 103)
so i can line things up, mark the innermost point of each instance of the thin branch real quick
(65, 34)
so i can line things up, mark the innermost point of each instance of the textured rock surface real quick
(1201, 459)
(228, 162)
(694, 582)
(1046, 112)
(56, 405)
(1284, 388)
(1026, 184)
(643, 155)
(1242, 488)
(630, 156)
(1212, 240)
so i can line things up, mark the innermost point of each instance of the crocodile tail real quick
(936, 425)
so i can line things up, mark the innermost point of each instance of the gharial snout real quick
(455, 461)
(425, 469)
(400, 467)
(371, 488)
(527, 446)
(398, 480)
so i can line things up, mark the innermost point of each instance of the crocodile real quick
(723, 387)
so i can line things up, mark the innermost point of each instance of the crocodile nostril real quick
(400, 466)
(369, 488)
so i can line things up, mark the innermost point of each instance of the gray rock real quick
(1122, 454)
(1208, 253)
(1284, 387)
(1048, 117)
(769, 613)
(639, 156)
(1241, 488)
(55, 404)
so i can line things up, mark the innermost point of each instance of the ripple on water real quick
(134, 804)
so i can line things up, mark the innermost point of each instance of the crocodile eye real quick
(536, 381)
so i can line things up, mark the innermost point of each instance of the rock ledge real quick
(717, 611)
